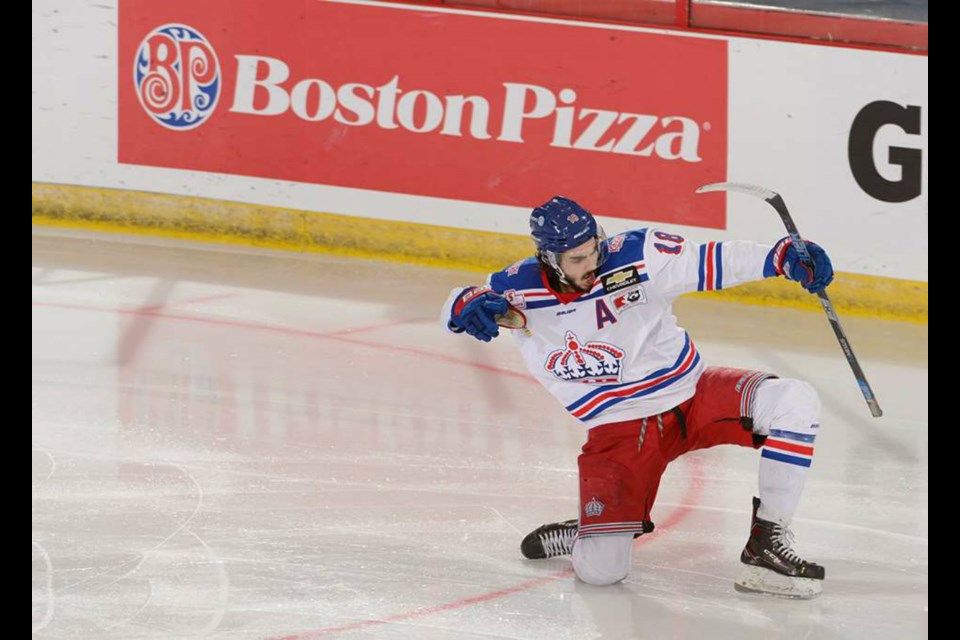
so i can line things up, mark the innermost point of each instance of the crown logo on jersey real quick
(591, 362)
(593, 508)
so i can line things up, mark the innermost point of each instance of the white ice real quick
(236, 443)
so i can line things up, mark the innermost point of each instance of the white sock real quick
(788, 413)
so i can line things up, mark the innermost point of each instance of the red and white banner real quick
(467, 107)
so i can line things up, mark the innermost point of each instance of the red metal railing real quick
(726, 17)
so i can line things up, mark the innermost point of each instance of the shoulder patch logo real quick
(514, 269)
(616, 243)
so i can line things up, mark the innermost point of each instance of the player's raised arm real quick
(678, 265)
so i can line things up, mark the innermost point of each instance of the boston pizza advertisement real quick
(456, 106)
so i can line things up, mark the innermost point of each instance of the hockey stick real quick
(776, 202)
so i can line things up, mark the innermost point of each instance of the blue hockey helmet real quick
(560, 225)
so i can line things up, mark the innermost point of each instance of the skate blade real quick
(759, 580)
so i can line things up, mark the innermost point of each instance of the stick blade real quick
(740, 187)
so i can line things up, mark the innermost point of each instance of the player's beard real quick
(586, 282)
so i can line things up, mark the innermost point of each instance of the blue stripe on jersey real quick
(703, 258)
(792, 435)
(655, 374)
(606, 404)
(719, 266)
(783, 457)
(599, 293)
(542, 304)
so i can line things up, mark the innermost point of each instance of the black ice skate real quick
(772, 566)
(550, 540)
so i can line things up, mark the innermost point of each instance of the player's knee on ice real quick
(602, 560)
(783, 403)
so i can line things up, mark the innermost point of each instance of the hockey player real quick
(598, 331)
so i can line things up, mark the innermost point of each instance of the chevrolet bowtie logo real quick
(618, 277)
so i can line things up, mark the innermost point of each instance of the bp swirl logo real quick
(177, 77)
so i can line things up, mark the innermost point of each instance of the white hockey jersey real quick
(617, 353)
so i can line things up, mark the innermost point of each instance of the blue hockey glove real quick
(783, 260)
(475, 312)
